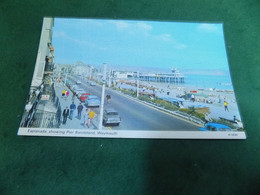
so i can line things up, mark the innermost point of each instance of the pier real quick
(174, 77)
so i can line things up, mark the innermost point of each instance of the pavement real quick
(75, 122)
(216, 109)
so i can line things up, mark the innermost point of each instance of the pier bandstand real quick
(174, 77)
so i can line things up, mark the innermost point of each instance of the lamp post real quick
(109, 77)
(102, 98)
(137, 85)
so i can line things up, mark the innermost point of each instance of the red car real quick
(84, 96)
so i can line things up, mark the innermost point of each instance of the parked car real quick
(74, 87)
(92, 84)
(68, 83)
(79, 91)
(84, 96)
(92, 101)
(215, 127)
(111, 116)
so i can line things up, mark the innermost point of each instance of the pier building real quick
(174, 77)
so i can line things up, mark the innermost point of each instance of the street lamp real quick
(102, 97)
(137, 85)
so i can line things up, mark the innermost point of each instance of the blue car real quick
(215, 127)
(92, 101)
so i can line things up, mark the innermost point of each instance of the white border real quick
(52, 132)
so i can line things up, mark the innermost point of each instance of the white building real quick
(43, 51)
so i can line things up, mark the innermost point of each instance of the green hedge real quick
(164, 104)
(192, 111)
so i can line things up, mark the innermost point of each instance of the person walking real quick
(207, 118)
(46, 61)
(80, 108)
(91, 116)
(73, 96)
(63, 93)
(85, 117)
(226, 105)
(108, 98)
(72, 108)
(67, 94)
(65, 115)
(192, 98)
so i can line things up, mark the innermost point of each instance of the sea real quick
(208, 81)
(221, 82)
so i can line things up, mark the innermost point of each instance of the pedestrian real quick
(226, 105)
(80, 108)
(72, 108)
(67, 94)
(63, 93)
(52, 49)
(108, 98)
(46, 60)
(73, 96)
(207, 118)
(85, 117)
(192, 98)
(91, 116)
(238, 123)
(65, 115)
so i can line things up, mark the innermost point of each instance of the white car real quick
(78, 82)
(79, 91)
(92, 84)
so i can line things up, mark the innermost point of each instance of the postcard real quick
(131, 79)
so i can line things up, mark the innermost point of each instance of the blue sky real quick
(198, 48)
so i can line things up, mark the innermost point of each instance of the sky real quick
(198, 48)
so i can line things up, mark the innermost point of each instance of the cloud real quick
(59, 34)
(144, 26)
(120, 25)
(79, 42)
(208, 27)
(165, 37)
(168, 38)
(131, 27)
(93, 22)
(180, 46)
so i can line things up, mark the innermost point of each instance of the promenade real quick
(75, 122)
(216, 109)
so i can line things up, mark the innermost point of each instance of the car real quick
(73, 87)
(68, 83)
(215, 127)
(84, 96)
(79, 91)
(78, 82)
(92, 84)
(92, 101)
(111, 116)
